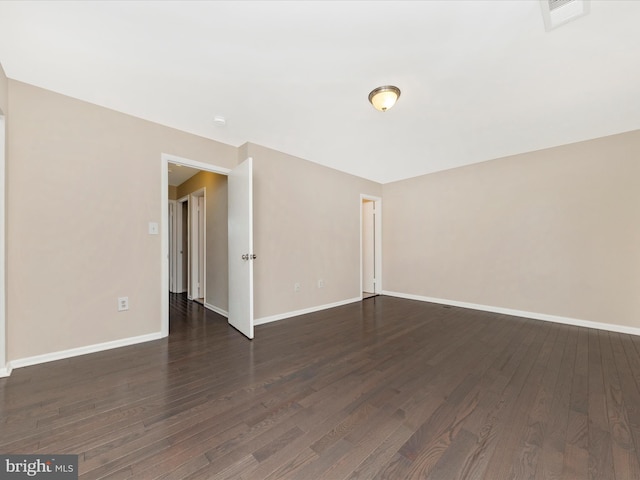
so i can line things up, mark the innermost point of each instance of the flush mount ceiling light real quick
(383, 98)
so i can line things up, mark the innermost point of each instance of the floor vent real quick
(559, 12)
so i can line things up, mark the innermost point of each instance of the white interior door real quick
(240, 185)
(172, 246)
(201, 247)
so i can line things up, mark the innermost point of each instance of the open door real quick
(240, 185)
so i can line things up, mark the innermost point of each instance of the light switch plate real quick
(153, 228)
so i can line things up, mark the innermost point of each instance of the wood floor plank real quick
(576, 450)
(384, 389)
(519, 392)
(556, 425)
(600, 450)
(629, 387)
(625, 460)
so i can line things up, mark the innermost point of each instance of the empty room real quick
(320, 240)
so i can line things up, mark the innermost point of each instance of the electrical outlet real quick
(320, 283)
(123, 304)
(296, 287)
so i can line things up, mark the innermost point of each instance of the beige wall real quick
(173, 192)
(553, 232)
(306, 227)
(217, 268)
(74, 242)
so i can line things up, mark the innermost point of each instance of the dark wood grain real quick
(382, 389)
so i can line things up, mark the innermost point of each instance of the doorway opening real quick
(179, 245)
(370, 246)
(198, 246)
(188, 222)
(184, 265)
(236, 274)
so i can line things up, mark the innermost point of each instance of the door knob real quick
(253, 256)
(245, 256)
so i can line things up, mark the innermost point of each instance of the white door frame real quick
(198, 236)
(4, 369)
(181, 261)
(165, 159)
(173, 250)
(377, 239)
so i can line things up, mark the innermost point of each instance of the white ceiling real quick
(178, 174)
(479, 79)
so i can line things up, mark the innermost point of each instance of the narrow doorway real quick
(182, 243)
(178, 245)
(172, 246)
(370, 247)
(198, 249)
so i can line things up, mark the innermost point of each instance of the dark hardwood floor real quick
(381, 389)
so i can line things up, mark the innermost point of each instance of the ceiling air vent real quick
(553, 4)
(559, 12)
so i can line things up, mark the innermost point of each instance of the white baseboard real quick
(74, 352)
(520, 313)
(282, 316)
(218, 310)
(6, 371)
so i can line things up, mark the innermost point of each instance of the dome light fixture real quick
(383, 98)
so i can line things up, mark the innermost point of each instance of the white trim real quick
(6, 371)
(576, 322)
(165, 159)
(74, 352)
(218, 310)
(186, 162)
(282, 316)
